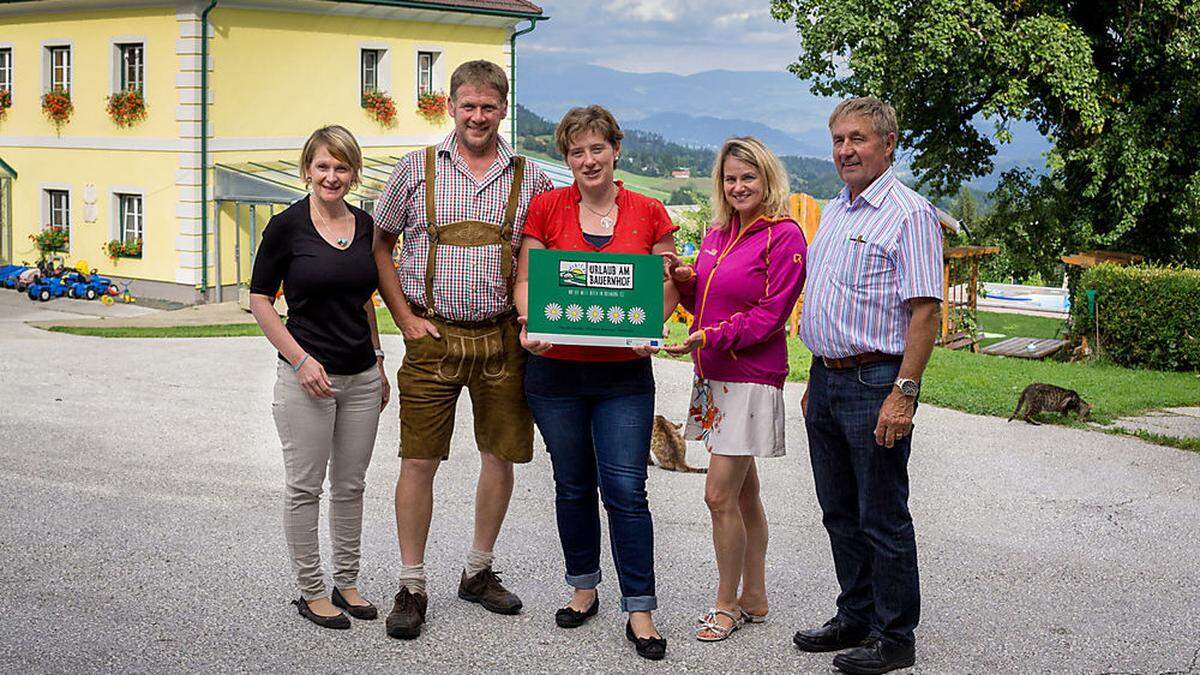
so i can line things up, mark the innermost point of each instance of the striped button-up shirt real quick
(868, 259)
(467, 283)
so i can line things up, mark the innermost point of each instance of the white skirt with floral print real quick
(737, 418)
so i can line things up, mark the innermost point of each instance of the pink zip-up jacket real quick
(745, 286)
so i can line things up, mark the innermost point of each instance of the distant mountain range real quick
(706, 108)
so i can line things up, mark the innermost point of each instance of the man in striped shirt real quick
(871, 312)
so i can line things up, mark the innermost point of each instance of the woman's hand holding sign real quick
(689, 345)
(676, 269)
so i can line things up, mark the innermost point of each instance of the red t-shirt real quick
(553, 220)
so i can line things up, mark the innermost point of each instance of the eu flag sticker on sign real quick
(600, 299)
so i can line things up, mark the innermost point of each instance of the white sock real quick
(478, 561)
(413, 577)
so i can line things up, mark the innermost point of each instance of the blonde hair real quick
(776, 189)
(340, 143)
(882, 116)
(581, 120)
(479, 73)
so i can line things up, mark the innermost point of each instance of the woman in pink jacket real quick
(748, 273)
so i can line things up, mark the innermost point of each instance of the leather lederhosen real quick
(469, 233)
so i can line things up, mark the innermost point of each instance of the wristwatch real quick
(909, 388)
(379, 353)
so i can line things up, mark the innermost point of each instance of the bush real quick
(1147, 315)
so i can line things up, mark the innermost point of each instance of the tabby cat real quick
(1039, 397)
(669, 448)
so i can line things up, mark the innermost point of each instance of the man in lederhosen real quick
(461, 209)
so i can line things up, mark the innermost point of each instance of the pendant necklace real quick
(606, 220)
(340, 242)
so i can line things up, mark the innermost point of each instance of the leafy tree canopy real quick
(1115, 84)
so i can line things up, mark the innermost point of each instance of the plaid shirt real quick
(867, 260)
(467, 284)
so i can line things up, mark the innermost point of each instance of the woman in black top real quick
(331, 385)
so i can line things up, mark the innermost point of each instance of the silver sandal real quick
(720, 632)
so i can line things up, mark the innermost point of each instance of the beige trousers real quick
(326, 435)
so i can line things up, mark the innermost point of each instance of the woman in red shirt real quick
(594, 406)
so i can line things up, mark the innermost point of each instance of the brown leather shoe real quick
(485, 588)
(404, 622)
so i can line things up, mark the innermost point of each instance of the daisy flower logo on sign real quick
(602, 299)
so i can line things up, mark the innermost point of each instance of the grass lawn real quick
(975, 383)
(386, 326)
(990, 385)
(217, 330)
(1018, 325)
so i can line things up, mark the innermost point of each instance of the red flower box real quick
(127, 108)
(56, 104)
(380, 106)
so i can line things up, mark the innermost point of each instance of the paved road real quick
(142, 533)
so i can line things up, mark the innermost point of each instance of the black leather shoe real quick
(834, 636)
(570, 618)
(338, 622)
(653, 648)
(365, 612)
(876, 657)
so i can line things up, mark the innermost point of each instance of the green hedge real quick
(1149, 316)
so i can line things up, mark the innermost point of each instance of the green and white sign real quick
(600, 299)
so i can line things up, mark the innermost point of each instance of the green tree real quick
(1115, 84)
(694, 224)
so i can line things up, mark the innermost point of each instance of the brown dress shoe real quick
(485, 588)
(407, 615)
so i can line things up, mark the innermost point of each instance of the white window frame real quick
(119, 45)
(437, 75)
(49, 49)
(6, 67)
(383, 67)
(120, 221)
(48, 207)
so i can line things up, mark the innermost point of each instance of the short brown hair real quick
(340, 143)
(882, 116)
(752, 151)
(480, 73)
(580, 120)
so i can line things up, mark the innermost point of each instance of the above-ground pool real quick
(1035, 298)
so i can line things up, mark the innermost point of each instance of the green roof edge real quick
(411, 4)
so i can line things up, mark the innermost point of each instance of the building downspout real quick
(512, 69)
(204, 150)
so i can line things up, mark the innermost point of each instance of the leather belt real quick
(481, 323)
(859, 360)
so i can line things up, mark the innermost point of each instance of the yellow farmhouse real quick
(120, 171)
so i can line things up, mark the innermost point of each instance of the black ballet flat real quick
(570, 618)
(653, 648)
(339, 622)
(365, 612)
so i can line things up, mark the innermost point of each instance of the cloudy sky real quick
(676, 36)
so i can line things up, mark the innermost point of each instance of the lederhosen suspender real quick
(469, 233)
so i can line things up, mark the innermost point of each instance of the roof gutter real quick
(204, 149)
(438, 7)
(512, 69)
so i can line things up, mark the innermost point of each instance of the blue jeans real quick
(596, 418)
(863, 491)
